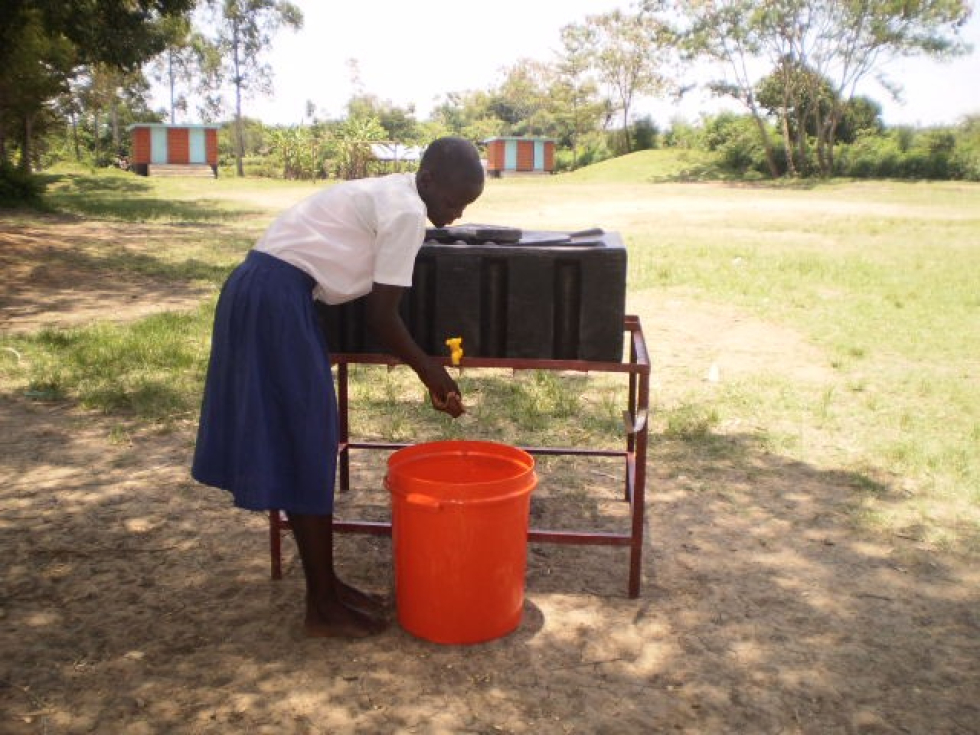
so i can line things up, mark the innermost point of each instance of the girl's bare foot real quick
(335, 620)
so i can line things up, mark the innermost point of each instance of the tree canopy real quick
(820, 49)
(45, 43)
(794, 64)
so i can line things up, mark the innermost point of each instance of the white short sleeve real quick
(400, 235)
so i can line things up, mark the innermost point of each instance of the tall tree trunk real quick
(4, 154)
(26, 143)
(801, 142)
(574, 136)
(787, 143)
(239, 128)
(830, 136)
(766, 140)
(116, 137)
(826, 135)
(73, 121)
(170, 74)
(239, 133)
(784, 120)
(818, 126)
(626, 128)
(96, 138)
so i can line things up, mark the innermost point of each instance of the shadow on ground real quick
(135, 600)
(55, 271)
(128, 198)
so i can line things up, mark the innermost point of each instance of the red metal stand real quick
(634, 455)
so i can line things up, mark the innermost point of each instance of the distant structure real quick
(508, 156)
(174, 150)
(395, 156)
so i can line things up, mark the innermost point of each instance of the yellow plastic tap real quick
(455, 345)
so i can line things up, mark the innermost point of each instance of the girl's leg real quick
(333, 609)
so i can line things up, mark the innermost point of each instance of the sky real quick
(417, 52)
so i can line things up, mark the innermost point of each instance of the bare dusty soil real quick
(50, 277)
(133, 600)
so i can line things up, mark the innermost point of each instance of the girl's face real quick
(446, 200)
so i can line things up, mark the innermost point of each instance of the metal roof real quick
(520, 137)
(215, 126)
(395, 152)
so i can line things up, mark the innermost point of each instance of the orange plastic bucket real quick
(459, 520)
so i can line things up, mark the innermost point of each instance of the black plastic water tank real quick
(548, 295)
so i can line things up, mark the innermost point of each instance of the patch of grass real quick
(886, 284)
(691, 422)
(528, 407)
(879, 277)
(170, 262)
(650, 166)
(152, 368)
(121, 195)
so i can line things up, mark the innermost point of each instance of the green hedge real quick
(18, 187)
(939, 154)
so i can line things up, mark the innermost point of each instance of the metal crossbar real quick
(634, 455)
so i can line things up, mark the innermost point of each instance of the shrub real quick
(903, 153)
(965, 164)
(869, 156)
(683, 134)
(739, 146)
(264, 166)
(18, 187)
(592, 148)
(645, 134)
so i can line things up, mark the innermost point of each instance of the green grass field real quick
(880, 279)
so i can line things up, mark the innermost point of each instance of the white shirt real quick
(351, 235)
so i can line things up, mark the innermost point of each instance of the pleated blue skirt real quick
(268, 429)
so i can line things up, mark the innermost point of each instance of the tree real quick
(43, 43)
(470, 115)
(300, 150)
(802, 101)
(36, 67)
(245, 30)
(99, 95)
(575, 89)
(858, 36)
(399, 123)
(728, 32)
(630, 54)
(92, 115)
(189, 62)
(796, 97)
(353, 145)
(820, 50)
(523, 98)
(119, 33)
(862, 116)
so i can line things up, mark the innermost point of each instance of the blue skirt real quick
(268, 429)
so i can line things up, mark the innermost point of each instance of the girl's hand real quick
(451, 403)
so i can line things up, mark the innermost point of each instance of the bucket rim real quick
(521, 480)
(523, 485)
(485, 444)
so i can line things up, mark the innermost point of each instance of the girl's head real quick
(450, 178)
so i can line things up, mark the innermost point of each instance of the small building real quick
(175, 150)
(507, 156)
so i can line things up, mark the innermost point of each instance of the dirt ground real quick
(135, 601)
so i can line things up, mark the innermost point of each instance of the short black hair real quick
(453, 157)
